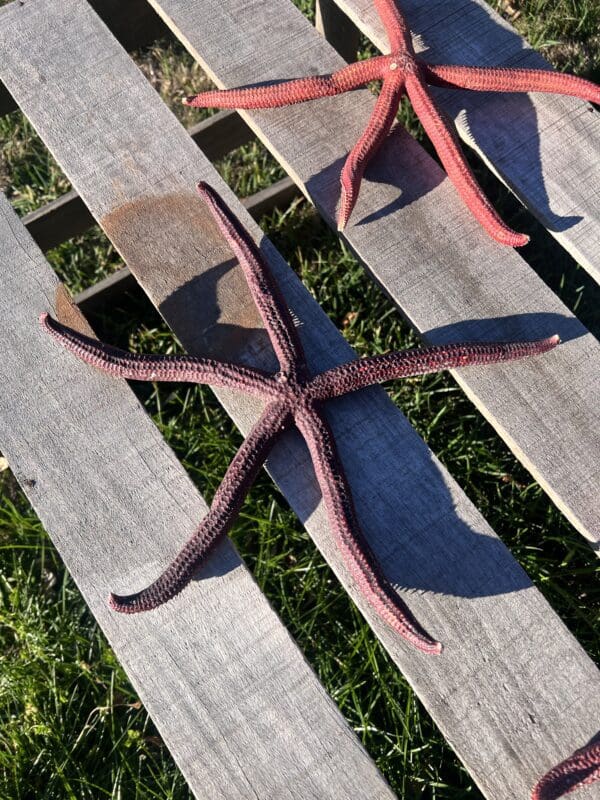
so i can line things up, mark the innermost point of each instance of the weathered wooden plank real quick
(107, 290)
(67, 216)
(225, 684)
(133, 23)
(545, 148)
(421, 244)
(496, 691)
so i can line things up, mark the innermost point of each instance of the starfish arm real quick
(420, 361)
(140, 367)
(265, 291)
(354, 548)
(580, 769)
(502, 79)
(223, 512)
(446, 142)
(396, 26)
(379, 125)
(293, 91)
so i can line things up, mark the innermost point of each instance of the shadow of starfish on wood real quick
(403, 72)
(579, 770)
(292, 397)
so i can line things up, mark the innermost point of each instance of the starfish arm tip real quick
(43, 319)
(549, 343)
(505, 235)
(344, 212)
(124, 604)
(427, 645)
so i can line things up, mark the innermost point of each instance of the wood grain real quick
(544, 147)
(413, 234)
(107, 291)
(68, 216)
(224, 683)
(513, 691)
(133, 23)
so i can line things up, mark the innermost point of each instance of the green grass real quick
(71, 726)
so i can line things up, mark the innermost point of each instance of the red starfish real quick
(580, 769)
(402, 71)
(291, 396)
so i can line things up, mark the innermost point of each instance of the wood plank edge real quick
(135, 24)
(67, 216)
(337, 28)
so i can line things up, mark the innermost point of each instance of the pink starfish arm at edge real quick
(580, 769)
(508, 79)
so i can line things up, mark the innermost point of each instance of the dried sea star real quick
(580, 769)
(292, 396)
(403, 72)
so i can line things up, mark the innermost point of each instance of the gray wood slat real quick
(224, 682)
(513, 691)
(107, 290)
(68, 216)
(545, 148)
(133, 23)
(447, 277)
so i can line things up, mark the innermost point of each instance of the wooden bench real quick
(261, 725)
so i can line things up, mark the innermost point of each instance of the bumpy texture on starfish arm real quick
(580, 769)
(292, 397)
(402, 71)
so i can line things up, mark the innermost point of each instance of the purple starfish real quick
(292, 396)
